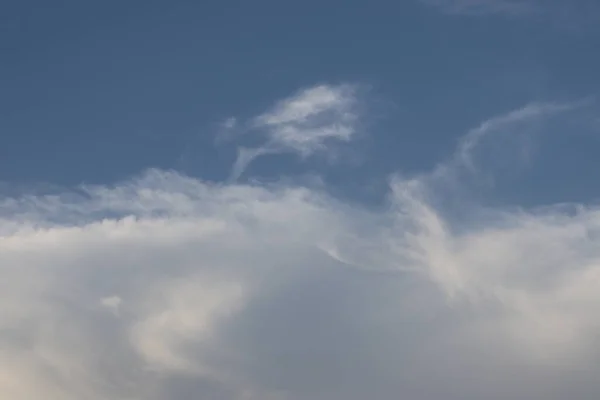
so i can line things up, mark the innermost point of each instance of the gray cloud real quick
(167, 287)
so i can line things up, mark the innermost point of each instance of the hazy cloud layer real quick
(167, 287)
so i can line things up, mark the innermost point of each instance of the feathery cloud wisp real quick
(309, 122)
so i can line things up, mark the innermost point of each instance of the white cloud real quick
(245, 291)
(112, 303)
(308, 122)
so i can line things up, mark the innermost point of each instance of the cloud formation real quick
(167, 287)
(309, 122)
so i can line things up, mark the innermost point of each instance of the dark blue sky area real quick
(93, 91)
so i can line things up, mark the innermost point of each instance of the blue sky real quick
(290, 201)
(98, 91)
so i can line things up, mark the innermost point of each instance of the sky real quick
(291, 201)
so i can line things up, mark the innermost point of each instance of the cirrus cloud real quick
(307, 123)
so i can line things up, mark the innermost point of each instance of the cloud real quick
(167, 287)
(502, 133)
(309, 122)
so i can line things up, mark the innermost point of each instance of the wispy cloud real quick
(526, 115)
(307, 123)
(167, 287)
